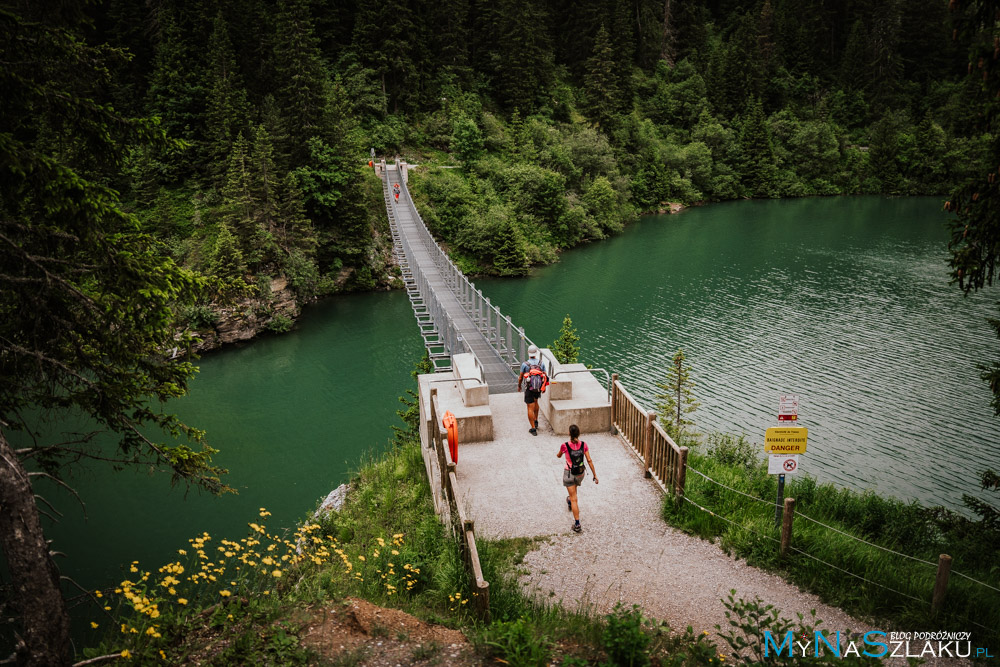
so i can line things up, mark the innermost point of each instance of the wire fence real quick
(799, 514)
(742, 526)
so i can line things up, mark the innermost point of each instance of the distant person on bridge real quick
(535, 380)
(395, 191)
(574, 472)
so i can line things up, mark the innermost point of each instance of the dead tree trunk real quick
(44, 636)
(667, 41)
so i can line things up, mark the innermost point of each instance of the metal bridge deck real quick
(498, 373)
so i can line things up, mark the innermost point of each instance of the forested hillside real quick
(568, 118)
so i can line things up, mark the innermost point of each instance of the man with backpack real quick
(535, 380)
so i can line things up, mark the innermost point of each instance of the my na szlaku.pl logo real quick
(877, 644)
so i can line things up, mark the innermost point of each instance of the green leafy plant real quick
(749, 620)
(625, 639)
(279, 323)
(515, 643)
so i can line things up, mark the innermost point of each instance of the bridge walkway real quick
(454, 327)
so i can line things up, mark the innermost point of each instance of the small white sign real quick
(788, 407)
(782, 464)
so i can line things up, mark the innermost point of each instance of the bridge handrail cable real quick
(486, 316)
(448, 336)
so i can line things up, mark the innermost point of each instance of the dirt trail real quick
(626, 553)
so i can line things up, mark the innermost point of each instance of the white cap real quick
(532, 351)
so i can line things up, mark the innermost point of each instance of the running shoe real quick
(577, 528)
(533, 431)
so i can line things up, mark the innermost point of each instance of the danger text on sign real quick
(786, 440)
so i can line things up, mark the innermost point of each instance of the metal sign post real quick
(783, 445)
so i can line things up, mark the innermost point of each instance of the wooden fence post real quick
(681, 477)
(614, 378)
(786, 526)
(941, 582)
(647, 445)
(483, 603)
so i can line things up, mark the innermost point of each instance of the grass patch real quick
(907, 528)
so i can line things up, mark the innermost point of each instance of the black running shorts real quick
(531, 396)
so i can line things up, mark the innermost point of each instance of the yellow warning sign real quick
(786, 440)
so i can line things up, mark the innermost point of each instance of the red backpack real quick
(537, 379)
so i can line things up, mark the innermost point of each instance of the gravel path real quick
(626, 553)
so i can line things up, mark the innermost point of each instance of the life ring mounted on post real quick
(451, 425)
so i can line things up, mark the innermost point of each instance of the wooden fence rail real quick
(662, 459)
(461, 526)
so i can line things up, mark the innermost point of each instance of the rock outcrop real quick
(247, 318)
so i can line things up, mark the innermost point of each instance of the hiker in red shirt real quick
(574, 472)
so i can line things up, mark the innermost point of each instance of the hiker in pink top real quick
(574, 472)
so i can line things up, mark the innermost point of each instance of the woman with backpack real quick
(574, 472)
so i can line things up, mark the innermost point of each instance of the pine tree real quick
(624, 52)
(226, 262)
(388, 39)
(887, 66)
(295, 229)
(525, 58)
(450, 40)
(302, 78)
(855, 74)
(176, 93)
(600, 82)
(239, 210)
(509, 259)
(677, 401)
(227, 101)
(565, 347)
(265, 179)
(756, 165)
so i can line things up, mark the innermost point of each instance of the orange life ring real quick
(451, 424)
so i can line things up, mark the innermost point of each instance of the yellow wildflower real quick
(395, 553)
(125, 654)
(93, 625)
(276, 573)
(224, 593)
(182, 601)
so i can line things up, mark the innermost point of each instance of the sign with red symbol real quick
(782, 464)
